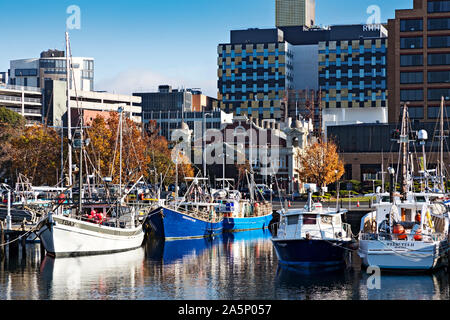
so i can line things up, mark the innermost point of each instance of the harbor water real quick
(235, 266)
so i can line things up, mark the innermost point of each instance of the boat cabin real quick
(312, 224)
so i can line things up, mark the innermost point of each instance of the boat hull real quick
(174, 225)
(245, 224)
(403, 255)
(310, 253)
(65, 237)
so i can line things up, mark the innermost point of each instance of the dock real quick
(14, 239)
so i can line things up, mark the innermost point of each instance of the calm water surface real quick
(240, 266)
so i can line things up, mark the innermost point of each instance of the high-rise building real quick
(260, 68)
(295, 13)
(254, 71)
(419, 59)
(52, 66)
(353, 78)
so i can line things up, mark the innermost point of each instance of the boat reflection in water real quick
(113, 276)
(414, 286)
(333, 283)
(227, 267)
(170, 252)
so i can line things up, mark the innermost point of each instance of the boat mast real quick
(80, 204)
(404, 141)
(69, 116)
(442, 167)
(120, 152)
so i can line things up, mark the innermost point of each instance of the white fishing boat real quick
(408, 231)
(64, 236)
(408, 235)
(90, 228)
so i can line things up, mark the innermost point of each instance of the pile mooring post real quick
(24, 240)
(8, 216)
(2, 241)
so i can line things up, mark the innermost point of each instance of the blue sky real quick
(139, 44)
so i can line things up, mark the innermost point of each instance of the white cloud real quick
(130, 81)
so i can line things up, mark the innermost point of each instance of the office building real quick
(169, 121)
(419, 59)
(4, 78)
(91, 102)
(52, 66)
(201, 102)
(295, 13)
(26, 101)
(166, 99)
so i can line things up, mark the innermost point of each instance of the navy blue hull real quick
(173, 225)
(310, 253)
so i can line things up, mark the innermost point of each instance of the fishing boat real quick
(83, 228)
(91, 228)
(411, 230)
(194, 216)
(312, 237)
(242, 214)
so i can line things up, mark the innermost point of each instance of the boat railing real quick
(395, 237)
(203, 215)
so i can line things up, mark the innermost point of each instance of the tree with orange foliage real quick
(104, 148)
(36, 154)
(144, 154)
(319, 162)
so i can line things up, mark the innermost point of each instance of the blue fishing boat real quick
(241, 214)
(246, 223)
(186, 221)
(245, 216)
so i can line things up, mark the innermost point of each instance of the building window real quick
(411, 43)
(439, 42)
(411, 77)
(438, 6)
(439, 77)
(437, 94)
(411, 25)
(411, 95)
(435, 112)
(438, 59)
(408, 60)
(416, 112)
(26, 72)
(439, 24)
